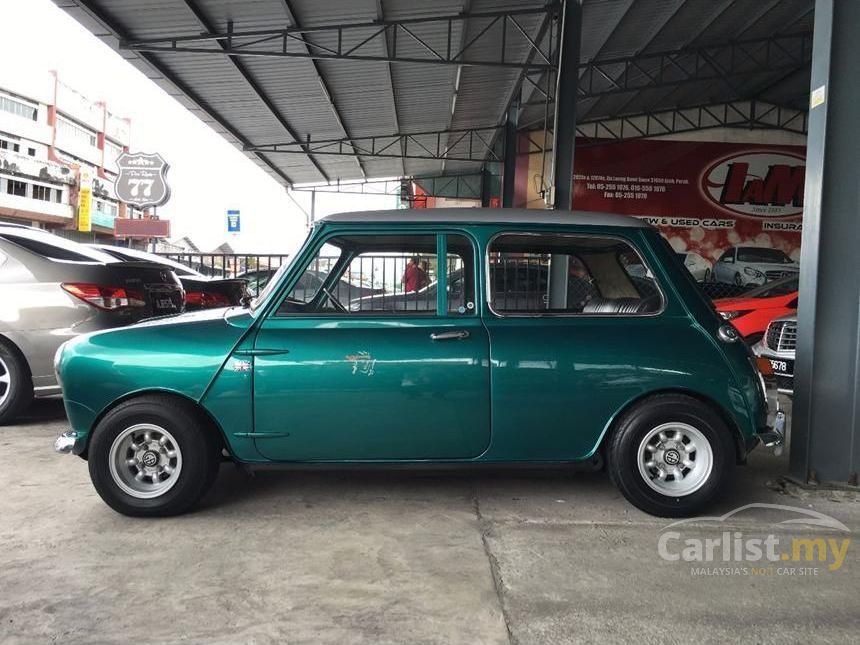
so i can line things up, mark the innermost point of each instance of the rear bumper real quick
(69, 443)
(772, 436)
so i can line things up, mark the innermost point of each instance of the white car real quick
(699, 267)
(752, 265)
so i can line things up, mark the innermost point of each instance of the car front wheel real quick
(671, 455)
(153, 456)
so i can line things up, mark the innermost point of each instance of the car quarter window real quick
(392, 274)
(545, 274)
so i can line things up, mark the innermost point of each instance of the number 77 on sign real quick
(142, 181)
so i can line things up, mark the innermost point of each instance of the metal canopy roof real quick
(320, 91)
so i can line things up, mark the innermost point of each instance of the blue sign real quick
(234, 223)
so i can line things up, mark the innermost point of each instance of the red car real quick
(751, 312)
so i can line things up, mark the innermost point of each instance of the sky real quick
(207, 175)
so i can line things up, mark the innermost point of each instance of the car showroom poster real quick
(703, 196)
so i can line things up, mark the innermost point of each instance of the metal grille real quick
(776, 275)
(782, 335)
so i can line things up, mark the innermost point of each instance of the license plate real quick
(164, 303)
(782, 367)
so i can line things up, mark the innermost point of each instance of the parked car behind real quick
(751, 265)
(201, 292)
(52, 289)
(752, 311)
(645, 374)
(310, 282)
(699, 267)
(779, 346)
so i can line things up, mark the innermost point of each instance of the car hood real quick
(732, 304)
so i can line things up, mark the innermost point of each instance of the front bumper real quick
(69, 443)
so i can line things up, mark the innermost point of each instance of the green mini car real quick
(493, 336)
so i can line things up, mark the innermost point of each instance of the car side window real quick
(384, 275)
(552, 274)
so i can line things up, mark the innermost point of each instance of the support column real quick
(564, 131)
(510, 163)
(486, 187)
(825, 441)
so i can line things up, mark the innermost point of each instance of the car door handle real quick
(459, 334)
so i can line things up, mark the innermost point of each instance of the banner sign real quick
(145, 227)
(703, 196)
(142, 179)
(85, 201)
(234, 222)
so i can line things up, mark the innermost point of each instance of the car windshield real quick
(781, 287)
(767, 256)
(55, 247)
(291, 254)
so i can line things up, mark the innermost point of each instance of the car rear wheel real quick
(153, 456)
(16, 387)
(671, 455)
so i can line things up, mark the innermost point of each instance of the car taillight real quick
(206, 300)
(104, 297)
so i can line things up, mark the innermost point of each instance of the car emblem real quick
(672, 457)
(241, 366)
(150, 459)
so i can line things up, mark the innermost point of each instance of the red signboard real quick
(704, 197)
(124, 227)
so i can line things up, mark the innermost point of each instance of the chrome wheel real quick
(5, 382)
(145, 461)
(675, 459)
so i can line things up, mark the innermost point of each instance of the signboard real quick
(703, 196)
(234, 221)
(124, 227)
(142, 179)
(85, 201)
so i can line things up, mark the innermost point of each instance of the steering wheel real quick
(334, 301)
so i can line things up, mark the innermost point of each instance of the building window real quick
(8, 104)
(74, 131)
(14, 187)
(112, 152)
(42, 192)
(9, 145)
(31, 152)
(58, 196)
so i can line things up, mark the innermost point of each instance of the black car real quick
(201, 292)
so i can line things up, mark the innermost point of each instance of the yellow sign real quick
(85, 199)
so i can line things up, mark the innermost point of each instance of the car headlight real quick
(753, 272)
(731, 315)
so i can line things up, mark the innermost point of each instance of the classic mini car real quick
(642, 375)
(752, 311)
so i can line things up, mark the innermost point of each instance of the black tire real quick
(16, 386)
(198, 442)
(634, 426)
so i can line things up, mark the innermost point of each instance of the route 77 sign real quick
(141, 181)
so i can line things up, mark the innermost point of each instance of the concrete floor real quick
(396, 556)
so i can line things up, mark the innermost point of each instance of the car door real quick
(336, 384)
(562, 357)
